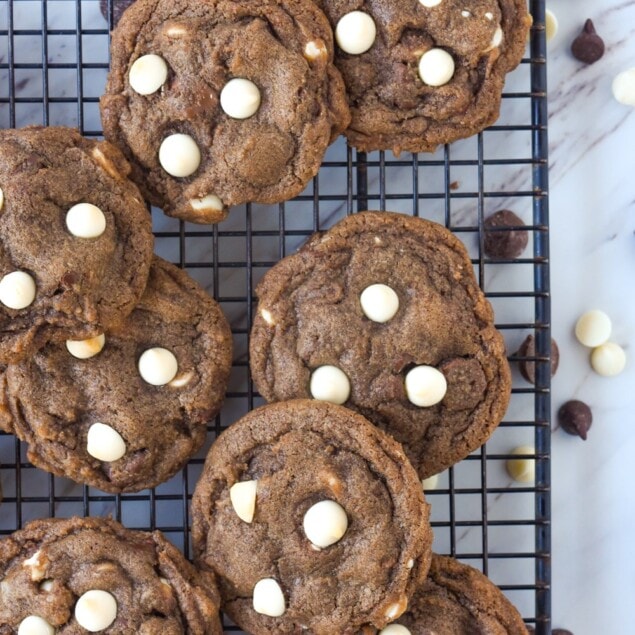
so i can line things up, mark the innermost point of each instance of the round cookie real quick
(312, 519)
(75, 239)
(125, 412)
(433, 374)
(92, 574)
(433, 71)
(223, 102)
(456, 599)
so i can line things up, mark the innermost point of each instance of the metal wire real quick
(53, 62)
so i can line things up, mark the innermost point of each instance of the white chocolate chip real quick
(243, 498)
(314, 50)
(17, 290)
(96, 610)
(430, 3)
(355, 32)
(46, 585)
(267, 317)
(84, 349)
(240, 98)
(158, 366)
(489, 15)
(551, 24)
(396, 609)
(179, 155)
(325, 523)
(38, 568)
(593, 328)
(522, 470)
(209, 202)
(147, 74)
(430, 483)
(410, 564)
(165, 582)
(85, 221)
(379, 303)
(182, 380)
(268, 598)
(608, 360)
(466, 14)
(394, 629)
(105, 443)
(105, 163)
(497, 39)
(34, 625)
(1, 199)
(175, 30)
(624, 87)
(436, 67)
(425, 386)
(329, 383)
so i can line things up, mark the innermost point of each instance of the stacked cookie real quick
(222, 102)
(114, 360)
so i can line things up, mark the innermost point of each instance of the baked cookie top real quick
(90, 574)
(75, 238)
(382, 313)
(222, 102)
(456, 599)
(420, 73)
(312, 519)
(125, 411)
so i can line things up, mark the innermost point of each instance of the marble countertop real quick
(592, 211)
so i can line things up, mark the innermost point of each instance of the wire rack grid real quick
(53, 64)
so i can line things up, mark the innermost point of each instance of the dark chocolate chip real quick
(508, 243)
(588, 47)
(576, 418)
(528, 349)
(118, 7)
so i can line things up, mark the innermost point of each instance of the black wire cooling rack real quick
(53, 66)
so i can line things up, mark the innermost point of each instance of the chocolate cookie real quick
(382, 313)
(422, 73)
(222, 102)
(456, 599)
(125, 411)
(75, 239)
(90, 574)
(312, 519)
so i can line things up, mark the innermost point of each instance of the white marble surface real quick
(592, 199)
(592, 204)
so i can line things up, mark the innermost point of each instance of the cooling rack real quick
(53, 66)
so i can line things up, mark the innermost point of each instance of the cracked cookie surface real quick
(98, 419)
(405, 100)
(77, 285)
(302, 453)
(457, 599)
(260, 141)
(49, 565)
(311, 316)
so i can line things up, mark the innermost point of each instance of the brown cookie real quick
(422, 73)
(383, 314)
(75, 239)
(90, 574)
(333, 529)
(242, 101)
(456, 599)
(96, 419)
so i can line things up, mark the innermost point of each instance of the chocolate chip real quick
(575, 418)
(505, 244)
(118, 7)
(561, 631)
(588, 47)
(528, 368)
